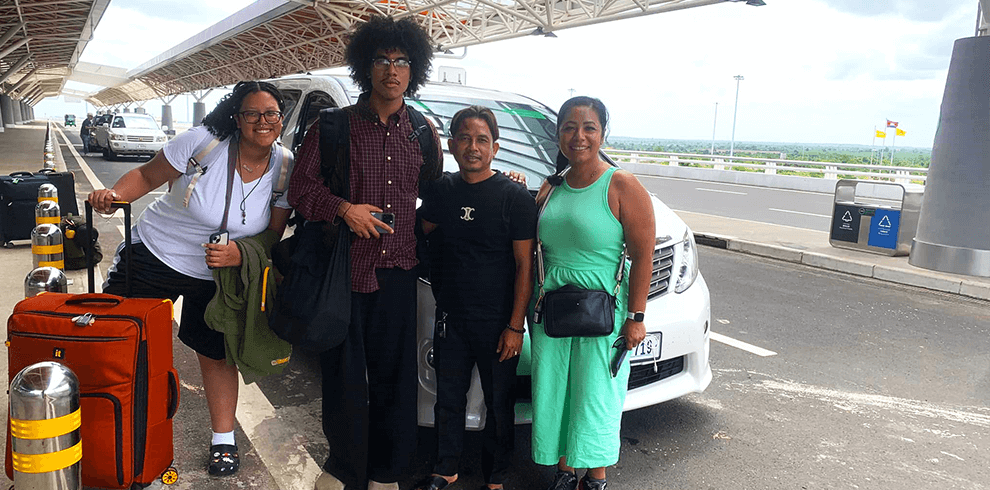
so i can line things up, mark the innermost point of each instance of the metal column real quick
(954, 228)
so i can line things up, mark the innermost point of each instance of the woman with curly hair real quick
(170, 251)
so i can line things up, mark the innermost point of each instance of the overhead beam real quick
(15, 68)
(23, 80)
(13, 47)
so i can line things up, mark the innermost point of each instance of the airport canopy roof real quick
(40, 43)
(271, 38)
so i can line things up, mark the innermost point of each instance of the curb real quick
(962, 287)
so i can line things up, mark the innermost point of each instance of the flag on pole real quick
(881, 134)
(901, 132)
(891, 124)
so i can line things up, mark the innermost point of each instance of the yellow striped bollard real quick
(47, 246)
(46, 444)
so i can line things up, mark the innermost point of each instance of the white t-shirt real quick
(175, 233)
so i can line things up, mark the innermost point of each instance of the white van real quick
(663, 367)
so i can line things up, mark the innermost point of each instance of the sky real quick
(815, 71)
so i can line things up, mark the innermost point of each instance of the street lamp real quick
(732, 145)
(714, 121)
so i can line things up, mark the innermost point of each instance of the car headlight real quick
(686, 255)
(117, 137)
(159, 139)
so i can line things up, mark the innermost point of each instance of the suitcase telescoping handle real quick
(90, 266)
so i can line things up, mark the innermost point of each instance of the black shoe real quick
(564, 480)
(433, 482)
(223, 460)
(588, 483)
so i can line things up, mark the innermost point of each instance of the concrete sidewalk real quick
(810, 247)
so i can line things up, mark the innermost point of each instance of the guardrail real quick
(775, 166)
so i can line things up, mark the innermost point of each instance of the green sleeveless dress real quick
(577, 404)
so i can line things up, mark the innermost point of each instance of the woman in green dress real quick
(591, 215)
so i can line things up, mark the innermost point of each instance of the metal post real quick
(732, 146)
(714, 121)
(47, 246)
(45, 422)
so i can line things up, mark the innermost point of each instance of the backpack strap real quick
(284, 159)
(201, 153)
(335, 150)
(432, 167)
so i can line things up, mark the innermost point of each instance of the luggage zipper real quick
(118, 424)
(90, 317)
(72, 338)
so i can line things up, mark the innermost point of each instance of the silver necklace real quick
(243, 205)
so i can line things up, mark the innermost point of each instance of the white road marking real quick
(912, 408)
(719, 191)
(88, 172)
(752, 349)
(715, 216)
(641, 176)
(800, 212)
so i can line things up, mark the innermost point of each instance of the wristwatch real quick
(638, 316)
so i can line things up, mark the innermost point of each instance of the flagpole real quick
(873, 146)
(893, 140)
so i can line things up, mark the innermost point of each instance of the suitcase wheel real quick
(170, 476)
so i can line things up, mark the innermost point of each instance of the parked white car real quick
(129, 134)
(671, 362)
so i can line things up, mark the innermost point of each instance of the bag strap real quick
(431, 168)
(231, 166)
(285, 160)
(194, 167)
(555, 180)
(335, 146)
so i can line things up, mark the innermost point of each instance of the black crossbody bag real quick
(571, 311)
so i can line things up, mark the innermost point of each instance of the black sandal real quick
(223, 460)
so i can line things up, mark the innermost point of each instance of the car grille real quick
(141, 139)
(644, 374)
(663, 265)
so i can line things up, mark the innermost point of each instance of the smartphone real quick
(219, 237)
(620, 355)
(387, 218)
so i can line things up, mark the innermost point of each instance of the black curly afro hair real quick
(387, 34)
(220, 121)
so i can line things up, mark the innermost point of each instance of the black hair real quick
(579, 101)
(220, 121)
(474, 112)
(385, 33)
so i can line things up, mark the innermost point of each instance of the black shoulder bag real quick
(313, 304)
(570, 311)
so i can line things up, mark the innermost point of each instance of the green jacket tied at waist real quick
(240, 309)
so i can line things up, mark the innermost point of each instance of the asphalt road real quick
(868, 385)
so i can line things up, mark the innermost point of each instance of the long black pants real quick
(455, 355)
(369, 385)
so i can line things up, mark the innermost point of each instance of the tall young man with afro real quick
(370, 380)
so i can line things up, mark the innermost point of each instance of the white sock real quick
(223, 438)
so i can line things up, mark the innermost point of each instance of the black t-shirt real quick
(479, 222)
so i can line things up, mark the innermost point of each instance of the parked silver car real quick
(665, 366)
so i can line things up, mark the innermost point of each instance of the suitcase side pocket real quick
(102, 414)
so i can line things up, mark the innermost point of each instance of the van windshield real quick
(135, 123)
(527, 133)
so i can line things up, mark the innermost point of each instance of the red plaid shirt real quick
(384, 171)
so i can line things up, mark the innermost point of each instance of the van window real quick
(315, 102)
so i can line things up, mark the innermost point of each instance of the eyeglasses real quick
(398, 63)
(253, 117)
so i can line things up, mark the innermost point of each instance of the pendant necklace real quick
(245, 196)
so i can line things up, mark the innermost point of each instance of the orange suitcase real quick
(121, 351)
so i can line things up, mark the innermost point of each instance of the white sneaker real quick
(326, 481)
(373, 485)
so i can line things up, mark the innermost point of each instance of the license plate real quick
(648, 349)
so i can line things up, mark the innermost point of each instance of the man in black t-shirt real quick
(488, 226)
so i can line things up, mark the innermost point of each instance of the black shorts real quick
(151, 278)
